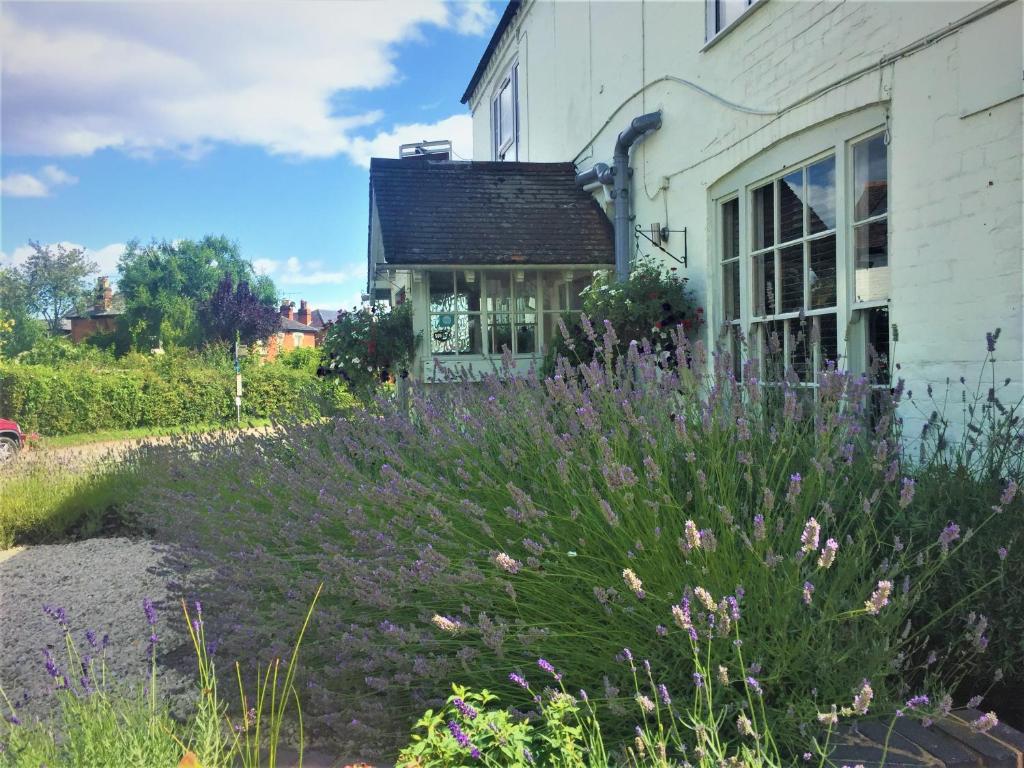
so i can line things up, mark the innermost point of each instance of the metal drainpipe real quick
(621, 170)
(618, 177)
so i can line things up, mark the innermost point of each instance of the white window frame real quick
(713, 12)
(509, 148)
(838, 138)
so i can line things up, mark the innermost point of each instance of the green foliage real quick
(81, 389)
(45, 499)
(164, 284)
(107, 722)
(371, 345)
(649, 305)
(55, 281)
(14, 304)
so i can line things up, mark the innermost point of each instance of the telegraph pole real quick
(238, 383)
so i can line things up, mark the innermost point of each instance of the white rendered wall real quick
(955, 121)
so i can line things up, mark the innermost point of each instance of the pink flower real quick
(828, 554)
(986, 722)
(809, 538)
(879, 598)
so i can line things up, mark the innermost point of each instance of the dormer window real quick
(505, 116)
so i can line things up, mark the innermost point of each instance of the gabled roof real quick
(116, 308)
(295, 325)
(506, 18)
(446, 212)
(322, 317)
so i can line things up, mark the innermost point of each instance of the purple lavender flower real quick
(985, 723)
(518, 680)
(906, 492)
(808, 592)
(1008, 493)
(147, 606)
(1002, 552)
(698, 680)
(458, 735)
(467, 711)
(51, 665)
(56, 613)
(755, 686)
(759, 531)
(795, 486)
(547, 667)
(90, 637)
(949, 534)
(921, 700)
(663, 695)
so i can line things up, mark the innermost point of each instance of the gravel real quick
(100, 584)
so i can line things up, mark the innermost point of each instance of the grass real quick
(112, 435)
(43, 501)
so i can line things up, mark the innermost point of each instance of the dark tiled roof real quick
(116, 308)
(487, 213)
(322, 317)
(506, 18)
(295, 325)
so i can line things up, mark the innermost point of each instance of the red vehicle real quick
(12, 439)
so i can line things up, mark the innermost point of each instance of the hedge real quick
(81, 398)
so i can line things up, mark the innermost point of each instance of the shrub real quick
(578, 515)
(175, 389)
(369, 345)
(649, 305)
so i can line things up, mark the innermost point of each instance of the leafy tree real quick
(165, 284)
(55, 278)
(14, 304)
(237, 310)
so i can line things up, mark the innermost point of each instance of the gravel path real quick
(100, 584)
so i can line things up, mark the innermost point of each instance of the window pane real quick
(821, 196)
(468, 293)
(764, 217)
(506, 112)
(877, 336)
(469, 334)
(442, 334)
(770, 347)
(442, 291)
(828, 340)
(526, 334)
(791, 206)
(870, 181)
(823, 272)
(764, 283)
(574, 288)
(729, 11)
(500, 330)
(871, 260)
(731, 230)
(731, 290)
(526, 293)
(791, 269)
(499, 292)
(799, 349)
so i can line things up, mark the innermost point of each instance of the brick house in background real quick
(101, 317)
(295, 330)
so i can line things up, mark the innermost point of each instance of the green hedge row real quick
(80, 398)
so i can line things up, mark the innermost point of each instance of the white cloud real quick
(27, 185)
(149, 77)
(106, 258)
(23, 185)
(473, 18)
(458, 128)
(294, 271)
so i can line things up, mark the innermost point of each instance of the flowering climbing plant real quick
(370, 346)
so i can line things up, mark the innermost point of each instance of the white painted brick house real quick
(858, 163)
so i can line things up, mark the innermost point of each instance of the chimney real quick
(305, 316)
(286, 309)
(104, 295)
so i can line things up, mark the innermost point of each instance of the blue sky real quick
(180, 119)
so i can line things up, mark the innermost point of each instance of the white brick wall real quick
(955, 186)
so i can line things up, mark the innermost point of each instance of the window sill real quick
(722, 33)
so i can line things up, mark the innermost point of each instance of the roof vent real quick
(436, 150)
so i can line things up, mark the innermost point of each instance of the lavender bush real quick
(579, 515)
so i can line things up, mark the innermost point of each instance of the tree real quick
(56, 281)
(14, 305)
(237, 310)
(165, 284)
